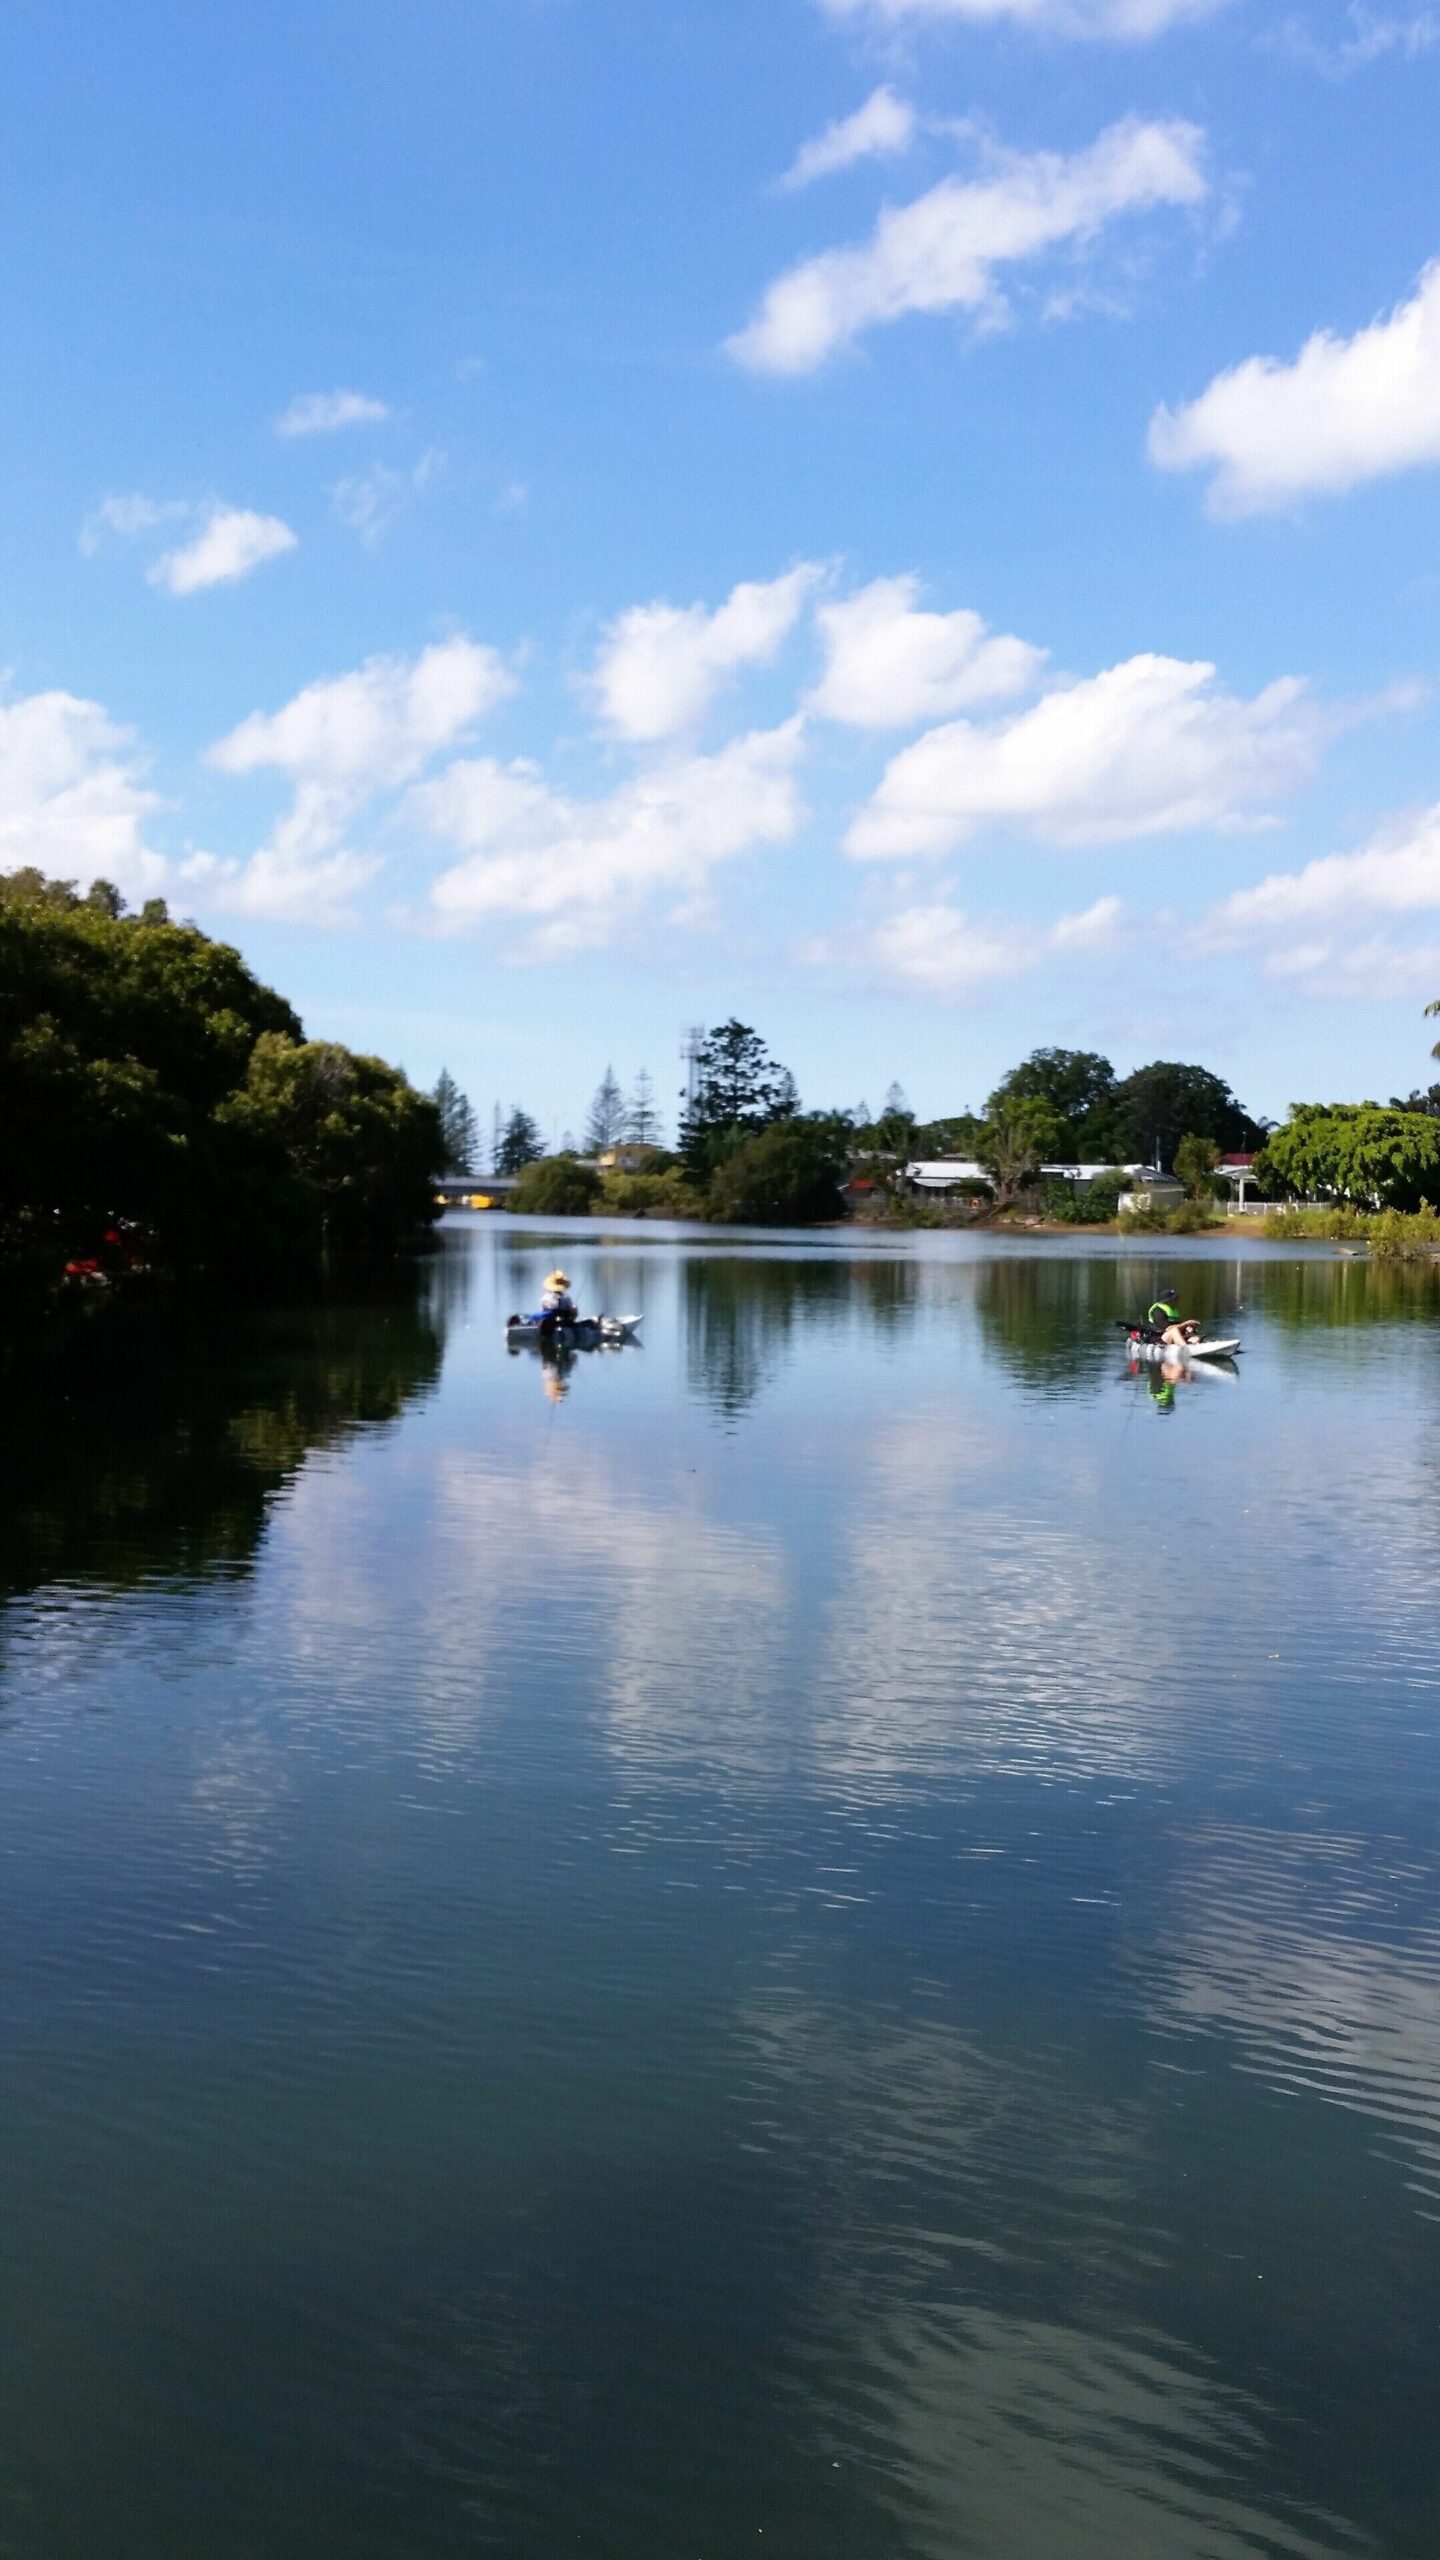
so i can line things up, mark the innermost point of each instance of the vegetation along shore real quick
(166, 1114)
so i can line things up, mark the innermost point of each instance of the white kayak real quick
(584, 1334)
(1182, 1350)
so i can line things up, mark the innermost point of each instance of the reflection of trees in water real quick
(1043, 1314)
(148, 1443)
(1306, 1293)
(740, 1314)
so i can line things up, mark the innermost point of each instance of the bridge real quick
(474, 1190)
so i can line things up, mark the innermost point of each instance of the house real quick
(630, 1155)
(939, 1174)
(1237, 1172)
(1153, 1190)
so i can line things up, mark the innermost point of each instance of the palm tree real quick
(1434, 1008)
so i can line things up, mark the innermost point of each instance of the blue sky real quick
(913, 521)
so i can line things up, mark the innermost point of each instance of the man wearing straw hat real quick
(557, 1307)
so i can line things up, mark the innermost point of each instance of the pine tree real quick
(520, 1143)
(462, 1137)
(642, 1120)
(607, 1115)
(739, 1090)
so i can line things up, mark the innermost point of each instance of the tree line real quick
(161, 1105)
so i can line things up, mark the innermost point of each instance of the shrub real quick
(667, 1194)
(1398, 1237)
(556, 1187)
(788, 1176)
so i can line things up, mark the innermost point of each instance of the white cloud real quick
(72, 800)
(320, 413)
(1323, 928)
(660, 664)
(128, 517)
(939, 950)
(376, 726)
(941, 252)
(887, 663)
(573, 869)
(1346, 410)
(883, 127)
(1371, 39)
(1396, 873)
(1145, 748)
(344, 740)
(370, 502)
(1123, 21)
(233, 542)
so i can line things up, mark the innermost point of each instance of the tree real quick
(788, 1175)
(739, 1090)
(520, 1143)
(358, 1142)
(462, 1135)
(556, 1187)
(1156, 1106)
(1357, 1152)
(607, 1115)
(1428, 1101)
(642, 1120)
(1079, 1086)
(1431, 1009)
(1195, 1162)
(1015, 1142)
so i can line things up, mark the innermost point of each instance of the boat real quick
(586, 1333)
(1142, 1344)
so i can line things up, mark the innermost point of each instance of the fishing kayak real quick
(1141, 1350)
(585, 1334)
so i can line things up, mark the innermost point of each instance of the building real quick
(630, 1155)
(1238, 1172)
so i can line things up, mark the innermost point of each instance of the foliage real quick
(1192, 1218)
(1398, 1237)
(149, 1075)
(666, 1193)
(1015, 1142)
(350, 1140)
(1337, 1225)
(556, 1187)
(1428, 1101)
(1157, 1105)
(520, 1143)
(1079, 1086)
(1358, 1152)
(958, 1136)
(739, 1090)
(606, 1123)
(1080, 1204)
(1196, 1161)
(788, 1175)
(457, 1120)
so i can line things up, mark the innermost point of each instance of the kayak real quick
(1181, 1350)
(587, 1333)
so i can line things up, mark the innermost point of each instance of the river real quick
(822, 1930)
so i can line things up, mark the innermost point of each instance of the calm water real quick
(828, 1937)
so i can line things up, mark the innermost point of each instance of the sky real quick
(913, 522)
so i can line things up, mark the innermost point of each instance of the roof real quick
(1238, 1161)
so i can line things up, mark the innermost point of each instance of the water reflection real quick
(869, 1973)
(152, 1445)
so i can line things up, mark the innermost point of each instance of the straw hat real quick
(558, 1280)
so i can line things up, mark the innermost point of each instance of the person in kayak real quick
(1168, 1323)
(557, 1307)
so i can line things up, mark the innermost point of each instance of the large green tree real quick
(1358, 1152)
(520, 1143)
(1016, 1141)
(739, 1089)
(788, 1175)
(1160, 1104)
(140, 1066)
(1079, 1086)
